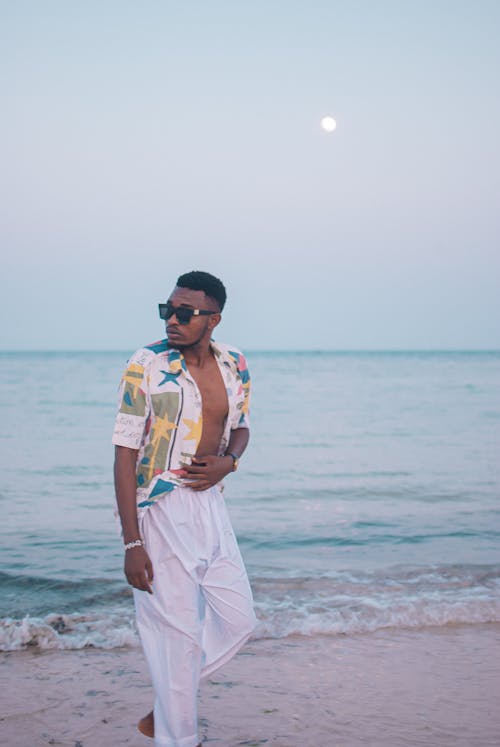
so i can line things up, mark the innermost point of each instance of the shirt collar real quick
(177, 363)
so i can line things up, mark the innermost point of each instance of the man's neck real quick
(197, 355)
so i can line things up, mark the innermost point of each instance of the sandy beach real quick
(436, 686)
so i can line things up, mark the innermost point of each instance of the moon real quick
(328, 124)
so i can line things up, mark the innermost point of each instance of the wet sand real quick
(393, 688)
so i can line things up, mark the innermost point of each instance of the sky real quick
(143, 140)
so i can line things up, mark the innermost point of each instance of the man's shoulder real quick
(228, 351)
(158, 347)
(234, 357)
(149, 353)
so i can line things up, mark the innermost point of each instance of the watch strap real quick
(235, 459)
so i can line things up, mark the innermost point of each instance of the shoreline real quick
(437, 686)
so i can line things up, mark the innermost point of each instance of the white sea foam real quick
(67, 632)
(369, 617)
(277, 619)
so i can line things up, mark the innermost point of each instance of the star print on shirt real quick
(169, 377)
(195, 428)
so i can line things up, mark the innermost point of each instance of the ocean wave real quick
(370, 616)
(259, 541)
(21, 594)
(345, 603)
(360, 602)
(64, 632)
(67, 632)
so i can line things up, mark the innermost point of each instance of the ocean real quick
(368, 497)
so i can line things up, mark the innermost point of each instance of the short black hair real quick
(204, 281)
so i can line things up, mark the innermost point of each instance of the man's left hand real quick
(206, 471)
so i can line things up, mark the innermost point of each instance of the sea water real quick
(368, 497)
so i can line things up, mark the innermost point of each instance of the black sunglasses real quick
(183, 314)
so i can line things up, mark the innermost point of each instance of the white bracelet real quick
(135, 543)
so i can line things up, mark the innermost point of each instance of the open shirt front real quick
(160, 413)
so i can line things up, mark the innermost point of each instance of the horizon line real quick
(266, 350)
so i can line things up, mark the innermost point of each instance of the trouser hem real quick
(192, 741)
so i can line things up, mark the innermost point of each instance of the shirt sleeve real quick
(242, 414)
(133, 411)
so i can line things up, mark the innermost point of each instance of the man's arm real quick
(138, 567)
(238, 441)
(206, 471)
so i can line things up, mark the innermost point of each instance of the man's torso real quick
(214, 405)
(170, 413)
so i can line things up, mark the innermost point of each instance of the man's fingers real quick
(139, 570)
(149, 571)
(141, 584)
(192, 481)
(147, 577)
(142, 581)
(196, 469)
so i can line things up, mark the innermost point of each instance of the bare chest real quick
(213, 393)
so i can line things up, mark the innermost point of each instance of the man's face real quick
(198, 328)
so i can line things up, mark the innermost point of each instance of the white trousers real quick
(201, 609)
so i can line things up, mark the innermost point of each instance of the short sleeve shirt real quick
(160, 413)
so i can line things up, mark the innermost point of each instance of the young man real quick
(181, 428)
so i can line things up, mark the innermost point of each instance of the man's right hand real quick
(139, 569)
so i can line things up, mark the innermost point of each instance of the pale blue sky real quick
(142, 140)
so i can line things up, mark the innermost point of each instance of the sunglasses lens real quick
(166, 310)
(184, 315)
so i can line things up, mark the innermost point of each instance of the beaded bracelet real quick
(135, 543)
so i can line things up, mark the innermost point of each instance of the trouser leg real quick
(229, 616)
(201, 609)
(170, 626)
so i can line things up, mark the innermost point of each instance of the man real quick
(181, 428)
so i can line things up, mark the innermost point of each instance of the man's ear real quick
(215, 320)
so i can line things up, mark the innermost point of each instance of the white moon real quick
(328, 124)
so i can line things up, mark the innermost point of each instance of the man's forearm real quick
(125, 489)
(238, 441)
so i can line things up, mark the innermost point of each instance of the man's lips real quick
(172, 331)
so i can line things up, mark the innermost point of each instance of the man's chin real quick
(180, 343)
(175, 341)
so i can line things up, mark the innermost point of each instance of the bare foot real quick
(147, 726)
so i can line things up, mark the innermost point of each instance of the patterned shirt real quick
(160, 413)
